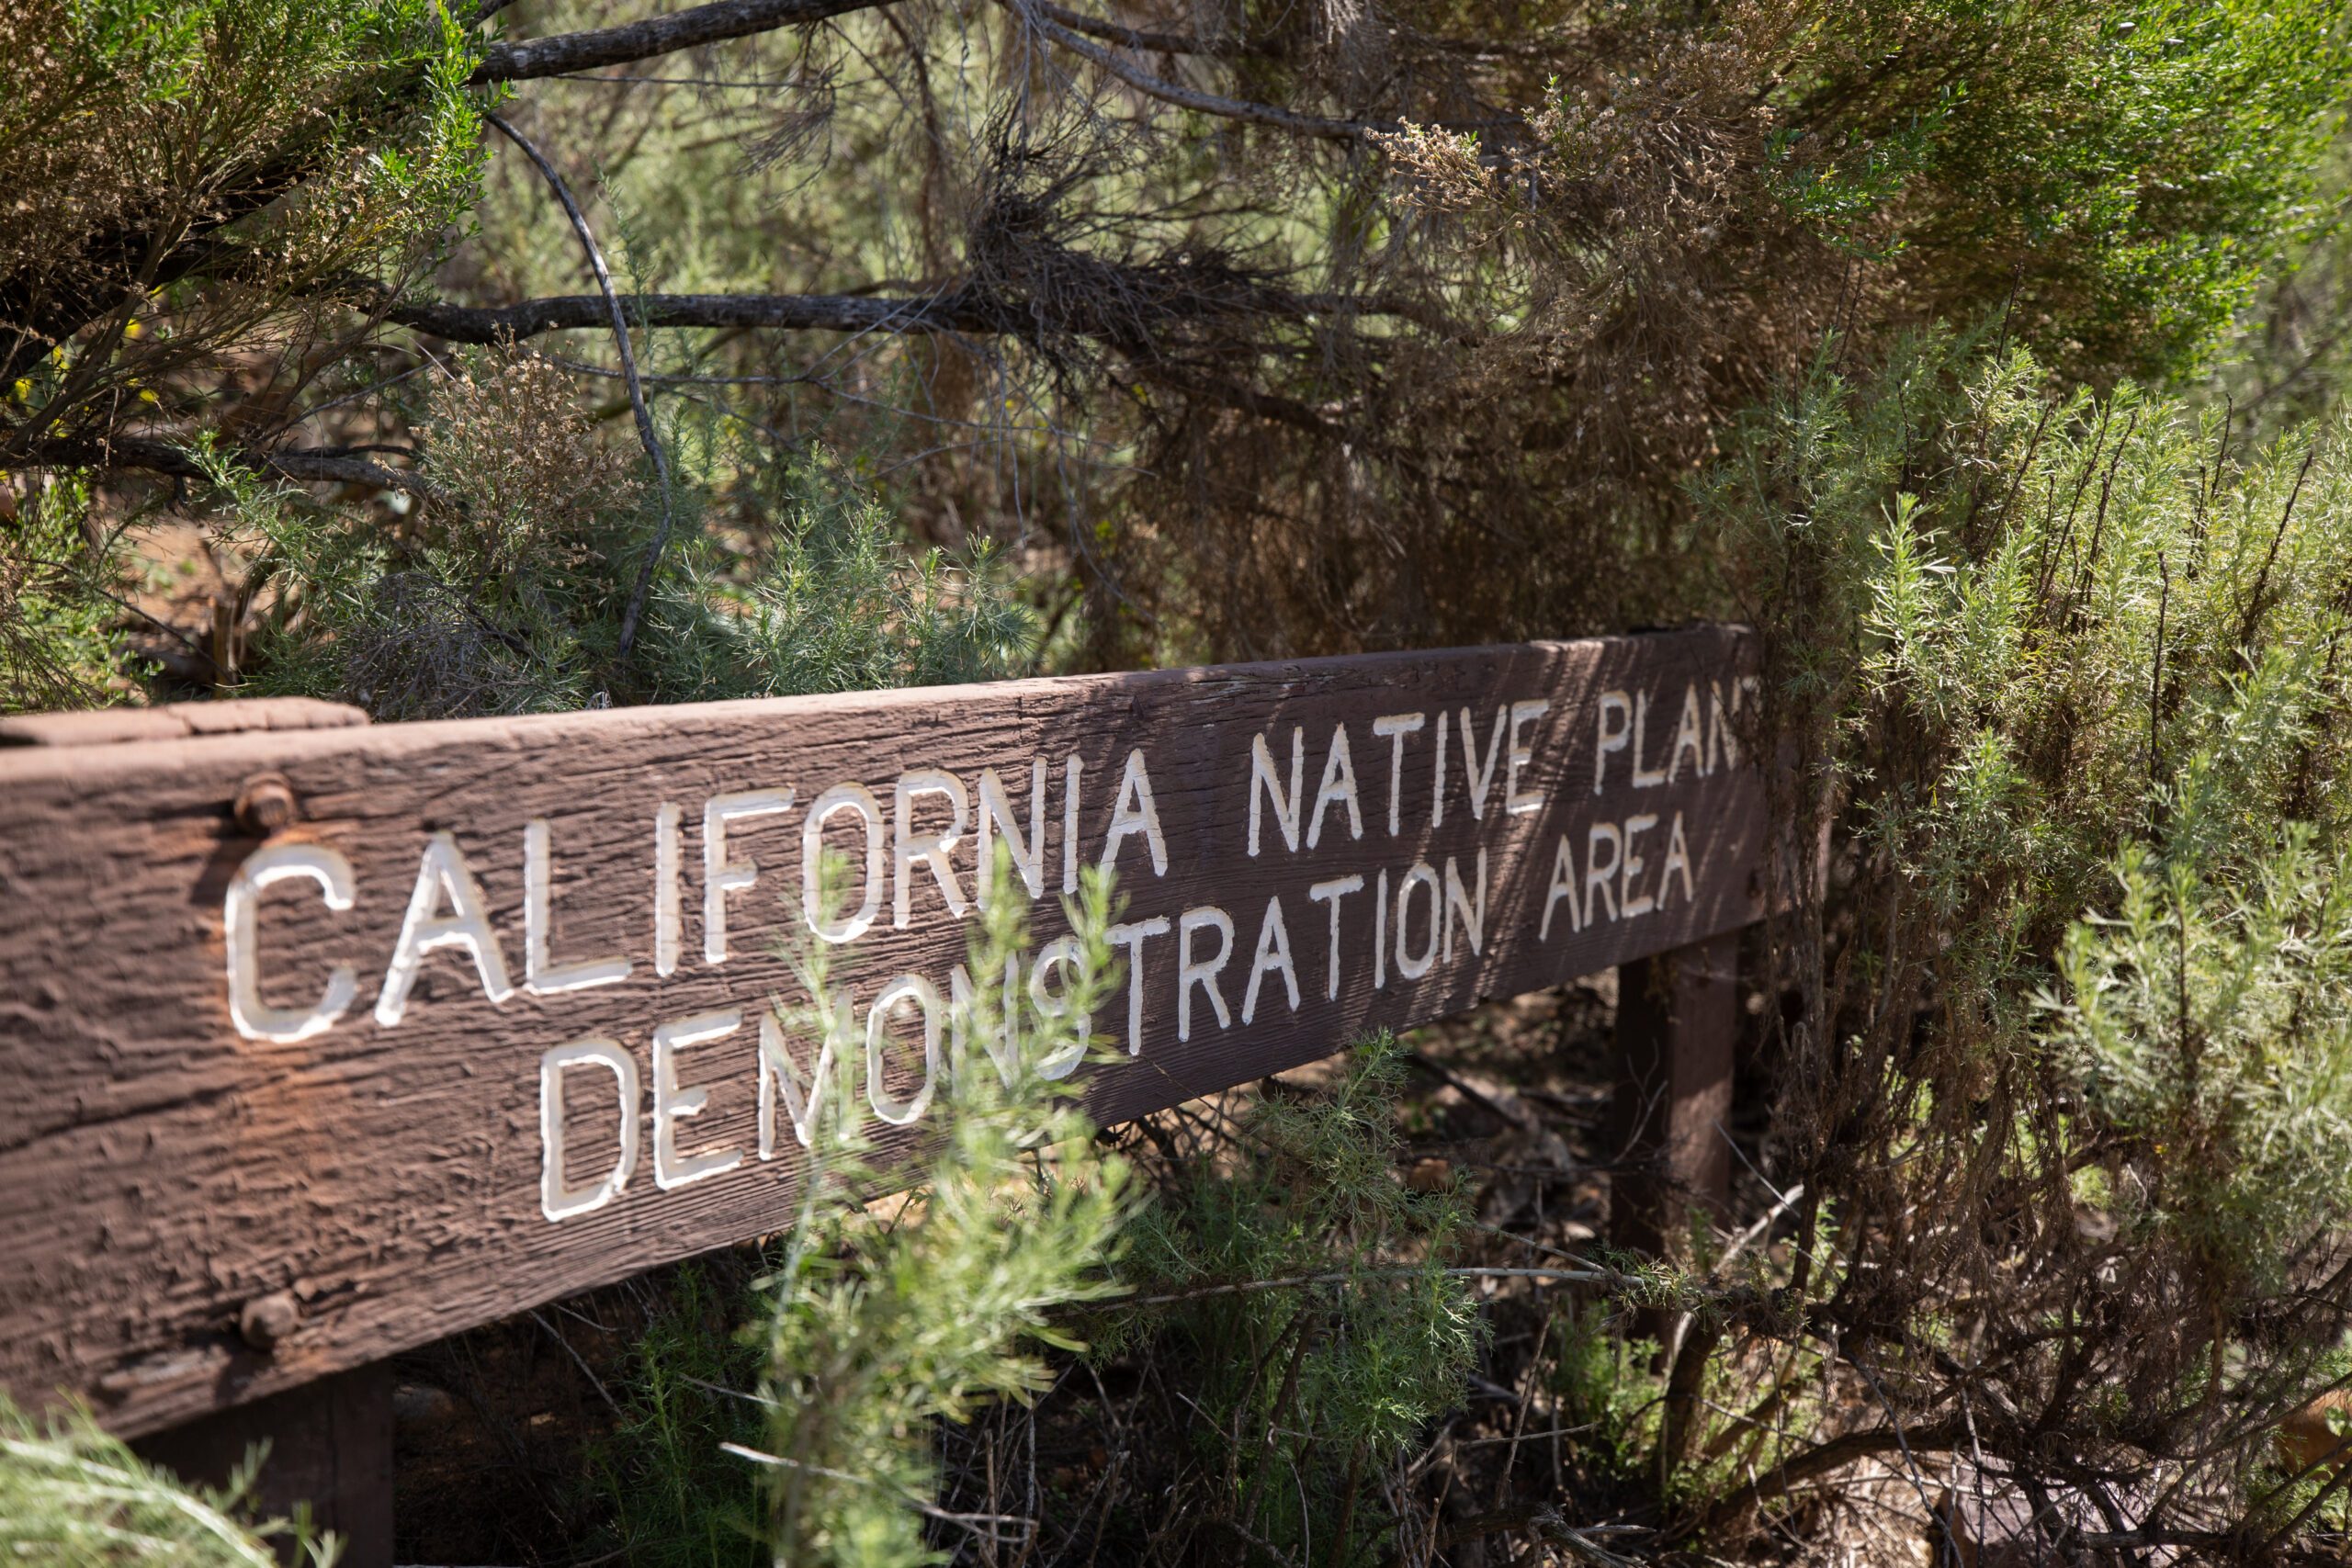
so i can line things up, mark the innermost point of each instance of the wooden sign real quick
(452, 1018)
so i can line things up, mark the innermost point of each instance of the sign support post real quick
(1677, 1020)
(330, 1446)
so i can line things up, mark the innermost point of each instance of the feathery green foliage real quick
(74, 1496)
(677, 1499)
(885, 1318)
(2214, 1024)
(2069, 669)
(60, 638)
(505, 595)
(1306, 1394)
(265, 149)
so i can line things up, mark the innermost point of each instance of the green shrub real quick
(2065, 670)
(74, 1496)
(1309, 1396)
(505, 594)
(62, 644)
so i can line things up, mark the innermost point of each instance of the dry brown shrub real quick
(510, 439)
(1594, 296)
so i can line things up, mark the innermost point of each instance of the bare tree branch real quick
(1156, 43)
(656, 35)
(822, 312)
(162, 458)
(652, 443)
(1144, 82)
(956, 309)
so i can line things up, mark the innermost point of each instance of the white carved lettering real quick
(1131, 936)
(1677, 858)
(558, 1201)
(1437, 794)
(1457, 902)
(1004, 1042)
(1394, 728)
(1263, 782)
(926, 996)
(1564, 886)
(1601, 880)
(1067, 954)
(672, 1170)
(541, 977)
(1635, 828)
(777, 1072)
(1644, 778)
(1273, 954)
(1071, 768)
(1339, 784)
(1189, 974)
(996, 810)
(1687, 737)
(443, 873)
(720, 876)
(1135, 813)
(852, 797)
(1609, 739)
(1516, 801)
(1332, 893)
(241, 926)
(936, 848)
(1476, 780)
(1414, 965)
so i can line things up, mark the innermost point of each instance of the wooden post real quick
(1677, 1018)
(330, 1446)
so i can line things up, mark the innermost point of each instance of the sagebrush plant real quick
(2065, 670)
(885, 1317)
(62, 643)
(71, 1496)
(190, 178)
(503, 593)
(1308, 1398)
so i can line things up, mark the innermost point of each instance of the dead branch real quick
(1155, 43)
(1185, 98)
(689, 29)
(944, 312)
(956, 309)
(645, 434)
(161, 458)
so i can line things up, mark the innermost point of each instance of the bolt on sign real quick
(371, 1035)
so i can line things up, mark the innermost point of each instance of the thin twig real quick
(968, 1521)
(629, 371)
(1747, 1237)
(1558, 1275)
(1917, 1481)
(597, 1383)
(1185, 98)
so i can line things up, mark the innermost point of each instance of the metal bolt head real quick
(265, 804)
(268, 1319)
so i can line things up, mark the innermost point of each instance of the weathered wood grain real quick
(159, 1171)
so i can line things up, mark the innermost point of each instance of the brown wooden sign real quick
(452, 1018)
